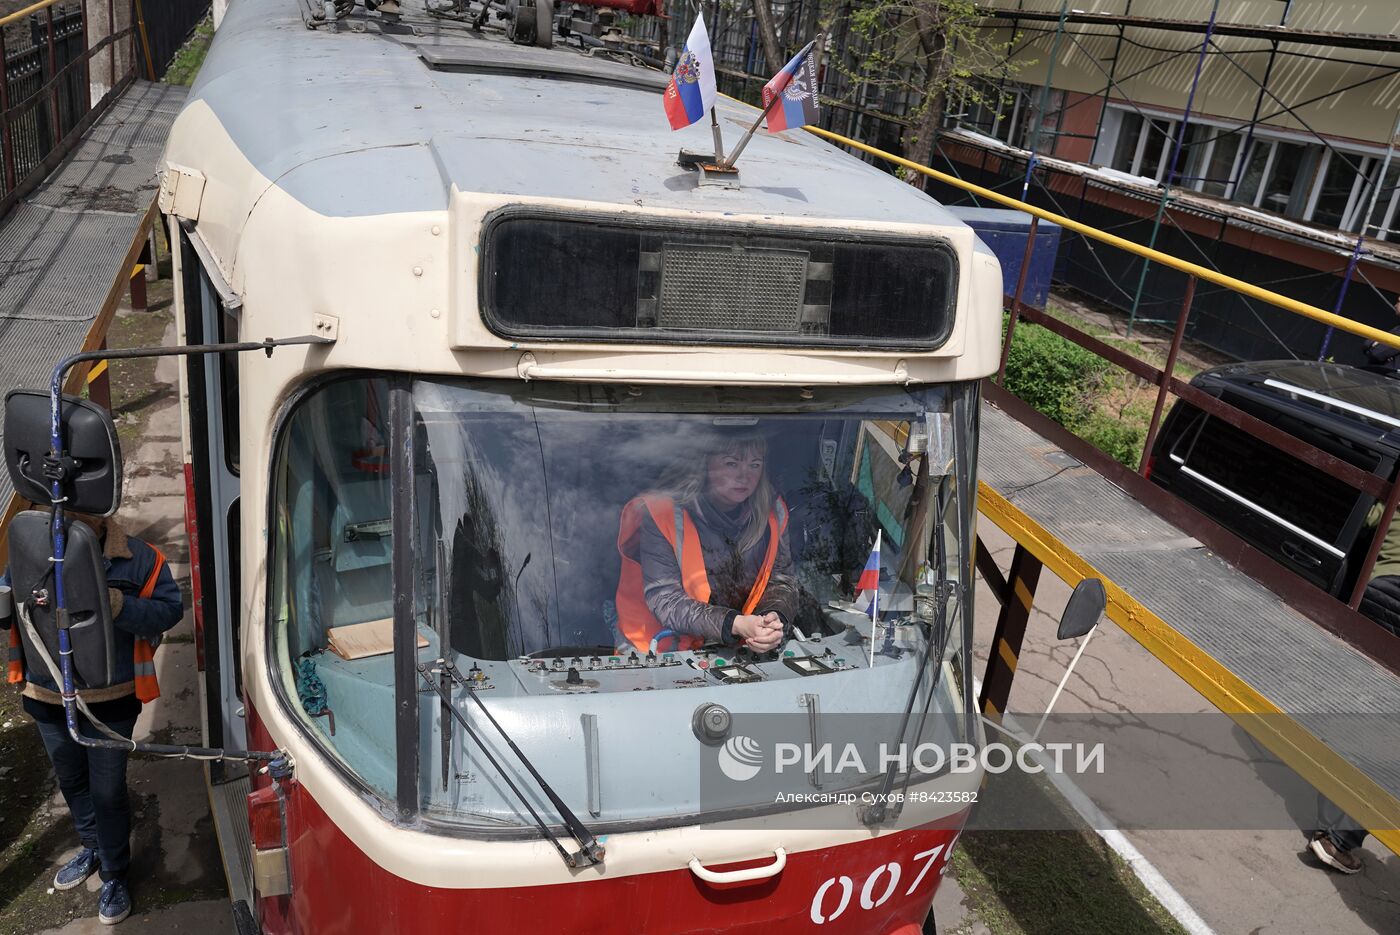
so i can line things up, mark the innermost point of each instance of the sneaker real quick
(1333, 856)
(114, 903)
(76, 870)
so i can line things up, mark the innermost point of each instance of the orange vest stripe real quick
(15, 669)
(635, 620)
(777, 524)
(143, 653)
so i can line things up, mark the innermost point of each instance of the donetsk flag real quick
(797, 84)
(692, 88)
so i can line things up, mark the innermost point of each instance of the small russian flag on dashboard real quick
(692, 88)
(868, 584)
(797, 85)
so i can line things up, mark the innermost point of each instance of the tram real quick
(411, 538)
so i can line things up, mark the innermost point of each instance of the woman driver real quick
(705, 559)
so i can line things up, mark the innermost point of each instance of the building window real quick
(996, 111)
(1219, 161)
(1281, 191)
(1381, 223)
(1335, 199)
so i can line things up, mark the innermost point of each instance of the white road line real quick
(1151, 878)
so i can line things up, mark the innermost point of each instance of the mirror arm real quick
(59, 466)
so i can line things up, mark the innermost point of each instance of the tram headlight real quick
(550, 274)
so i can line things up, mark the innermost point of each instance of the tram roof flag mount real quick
(692, 92)
(796, 89)
(792, 93)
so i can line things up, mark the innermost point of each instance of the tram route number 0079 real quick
(834, 896)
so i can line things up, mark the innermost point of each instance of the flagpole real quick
(719, 141)
(728, 161)
(875, 599)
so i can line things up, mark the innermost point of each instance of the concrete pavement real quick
(1238, 881)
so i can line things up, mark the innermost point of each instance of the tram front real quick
(612, 568)
(635, 644)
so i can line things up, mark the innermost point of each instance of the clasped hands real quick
(759, 633)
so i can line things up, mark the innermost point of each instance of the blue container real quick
(1004, 231)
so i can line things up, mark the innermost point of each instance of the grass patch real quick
(1048, 882)
(187, 61)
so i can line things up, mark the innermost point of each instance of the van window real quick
(1270, 481)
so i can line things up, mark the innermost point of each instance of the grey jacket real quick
(731, 574)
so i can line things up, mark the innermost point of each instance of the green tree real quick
(926, 51)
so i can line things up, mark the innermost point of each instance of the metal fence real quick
(168, 25)
(39, 119)
(45, 93)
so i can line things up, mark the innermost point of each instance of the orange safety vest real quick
(634, 619)
(143, 653)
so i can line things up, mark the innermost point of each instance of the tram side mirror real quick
(93, 466)
(84, 595)
(1086, 605)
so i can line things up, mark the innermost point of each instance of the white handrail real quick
(740, 876)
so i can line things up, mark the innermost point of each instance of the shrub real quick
(1119, 438)
(1059, 378)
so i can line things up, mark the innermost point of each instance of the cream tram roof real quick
(350, 172)
(382, 131)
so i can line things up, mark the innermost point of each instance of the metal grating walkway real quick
(1243, 626)
(63, 250)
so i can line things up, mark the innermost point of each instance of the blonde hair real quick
(687, 479)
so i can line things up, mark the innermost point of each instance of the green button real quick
(789, 654)
(720, 662)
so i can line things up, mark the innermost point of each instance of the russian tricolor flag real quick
(692, 88)
(796, 84)
(868, 584)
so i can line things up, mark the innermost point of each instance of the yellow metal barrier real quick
(1156, 256)
(21, 14)
(1352, 790)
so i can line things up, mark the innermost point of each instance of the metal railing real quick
(1164, 378)
(45, 90)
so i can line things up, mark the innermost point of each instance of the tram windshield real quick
(551, 502)
(574, 542)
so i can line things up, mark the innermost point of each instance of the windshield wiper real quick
(939, 634)
(590, 851)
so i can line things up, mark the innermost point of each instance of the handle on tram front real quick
(740, 876)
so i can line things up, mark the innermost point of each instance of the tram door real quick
(211, 315)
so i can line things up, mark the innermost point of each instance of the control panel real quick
(632, 670)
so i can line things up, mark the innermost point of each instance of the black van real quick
(1307, 520)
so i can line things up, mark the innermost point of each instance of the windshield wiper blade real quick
(940, 632)
(590, 851)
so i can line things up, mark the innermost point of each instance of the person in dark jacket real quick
(738, 586)
(1383, 358)
(1338, 835)
(145, 602)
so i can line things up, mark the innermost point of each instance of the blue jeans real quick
(1345, 833)
(93, 782)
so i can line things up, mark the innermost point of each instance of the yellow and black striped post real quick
(138, 288)
(1011, 629)
(99, 384)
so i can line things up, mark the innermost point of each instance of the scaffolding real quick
(1277, 159)
(1182, 141)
